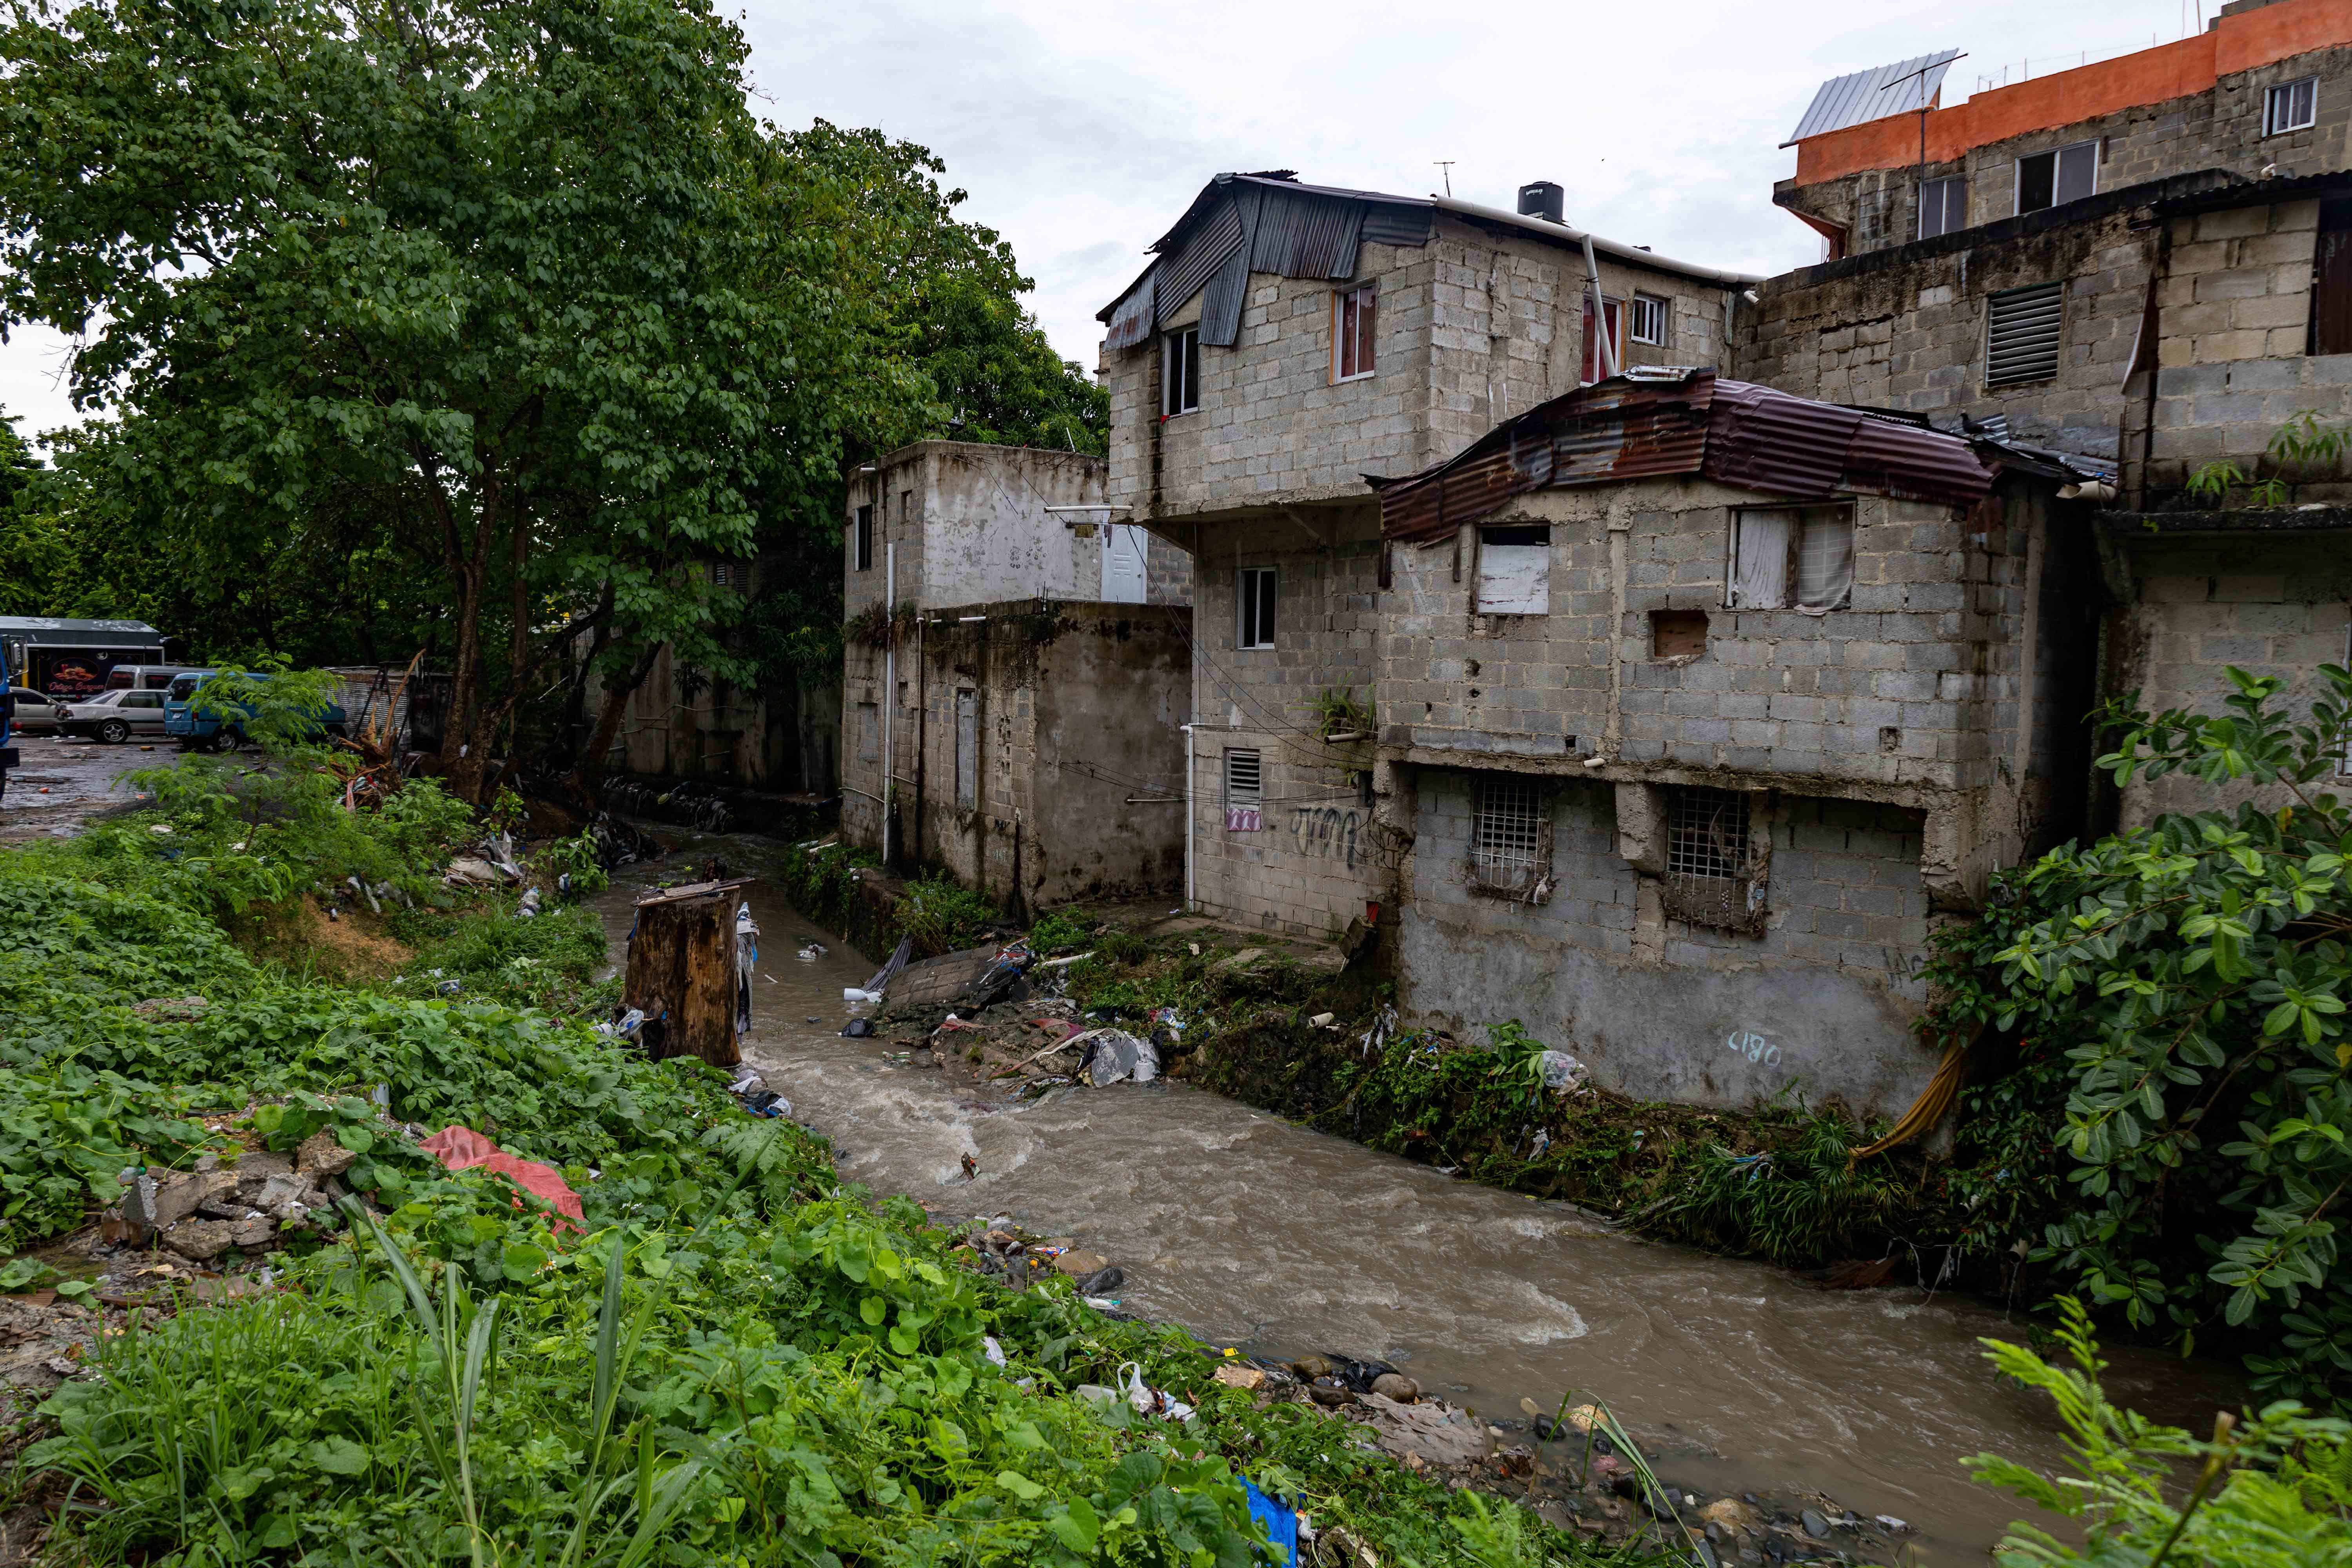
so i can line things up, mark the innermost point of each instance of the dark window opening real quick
(2061, 175)
(865, 539)
(1943, 207)
(2331, 281)
(1677, 634)
(1254, 627)
(1180, 386)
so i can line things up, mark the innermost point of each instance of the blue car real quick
(202, 733)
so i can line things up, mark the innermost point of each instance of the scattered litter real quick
(449, 988)
(1889, 1522)
(461, 1149)
(161, 830)
(858, 993)
(995, 1352)
(1439, 1433)
(1325, 1020)
(858, 1029)
(1147, 1401)
(470, 868)
(813, 951)
(1281, 1522)
(1066, 963)
(527, 909)
(1114, 1055)
(1562, 1072)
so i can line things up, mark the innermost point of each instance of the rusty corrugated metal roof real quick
(1735, 432)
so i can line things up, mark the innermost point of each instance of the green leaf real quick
(338, 1455)
(872, 1309)
(1076, 1527)
(1019, 1485)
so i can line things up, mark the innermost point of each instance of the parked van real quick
(202, 733)
(142, 676)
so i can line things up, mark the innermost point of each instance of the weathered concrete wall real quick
(2234, 317)
(972, 527)
(2270, 602)
(1821, 1001)
(1319, 855)
(1905, 327)
(1076, 707)
(1472, 327)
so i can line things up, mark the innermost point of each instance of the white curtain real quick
(1825, 563)
(1759, 571)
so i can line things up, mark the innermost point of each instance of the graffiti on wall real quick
(1329, 831)
(1754, 1046)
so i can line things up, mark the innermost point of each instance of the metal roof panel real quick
(1903, 87)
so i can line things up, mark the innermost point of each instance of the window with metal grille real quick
(2024, 328)
(1510, 839)
(2291, 106)
(1180, 382)
(1943, 207)
(1649, 320)
(865, 541)
(2061, 175)
(1253, 626)
(722, 575)
(1244, 791)
(1353, 314)
(1711, 864)
(967, 732)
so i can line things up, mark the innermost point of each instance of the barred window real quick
(1712, 878)
(1510, 839)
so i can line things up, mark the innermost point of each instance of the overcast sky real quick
(1082, 130)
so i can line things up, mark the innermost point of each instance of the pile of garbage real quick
(1001, 1250)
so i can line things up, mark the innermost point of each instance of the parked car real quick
(143, 677)
(200, 731)
(35, 713)
(113, 717)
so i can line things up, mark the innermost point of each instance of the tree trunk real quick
(608, 716)
(682, 970)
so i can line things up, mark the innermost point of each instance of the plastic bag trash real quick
(624, 1027)
(889, 971)
(529, 908)
(1114, 1055)
(448, 988)
(746, 1084)
(995, 1352)
(858, 1029)
(1147, 1401)
(812, 952)
(859, 994)
(768, 1102)
(1562, 1071)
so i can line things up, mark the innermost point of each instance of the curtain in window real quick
(1824, 565)
(1759, 573)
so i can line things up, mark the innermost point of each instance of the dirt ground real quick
(62, 783)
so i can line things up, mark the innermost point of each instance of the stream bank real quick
(1283, 1241)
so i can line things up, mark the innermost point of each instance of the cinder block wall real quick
(2234, 319)
(1905, 329)
(1913, 684)
(2270, 604)
(1821, 1001)
(1472, 327)
(1320, 853)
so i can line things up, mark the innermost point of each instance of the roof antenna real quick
(1447, 165)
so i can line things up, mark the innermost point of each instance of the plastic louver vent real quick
(2022, 328)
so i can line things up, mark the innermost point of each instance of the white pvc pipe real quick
(1191, 890)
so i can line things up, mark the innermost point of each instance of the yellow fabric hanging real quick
(1933, 1101)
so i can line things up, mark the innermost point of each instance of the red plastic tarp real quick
(462, 1148)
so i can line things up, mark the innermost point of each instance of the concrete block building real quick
(1016, 676)
(1286, 341)
(1699, 703)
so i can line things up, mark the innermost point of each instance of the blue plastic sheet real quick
(1281, 1521)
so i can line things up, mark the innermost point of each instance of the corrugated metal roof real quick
(1735, 432)
(25, 625)
(1905, 86)
(1130, 315)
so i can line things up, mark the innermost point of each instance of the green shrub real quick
(943, 916)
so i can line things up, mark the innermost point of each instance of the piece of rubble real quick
(201, 1240)
(1248, 1378)
(1079, 1265)
(153, 1201)
(321, 1156)
(1439, 1433)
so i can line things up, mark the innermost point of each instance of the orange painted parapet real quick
(2168, 71)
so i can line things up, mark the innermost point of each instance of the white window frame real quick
(1650, 305)
(1251, 630)
(1940, 186)
(2273, 123)
(1173, 353)
(1367, 350)
(2057, 156)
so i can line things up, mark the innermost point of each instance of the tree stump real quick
(682, 968)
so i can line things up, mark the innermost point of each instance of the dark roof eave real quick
(2287, 520)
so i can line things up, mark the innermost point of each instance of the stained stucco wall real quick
(1821, 1001)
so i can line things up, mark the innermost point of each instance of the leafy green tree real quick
(2186, 987)
(521, 284)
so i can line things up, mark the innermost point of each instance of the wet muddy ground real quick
(61, 784)
(1735, 1376)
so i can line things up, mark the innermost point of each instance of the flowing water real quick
(1251, 1231)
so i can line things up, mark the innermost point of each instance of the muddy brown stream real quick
(1254, 1232)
